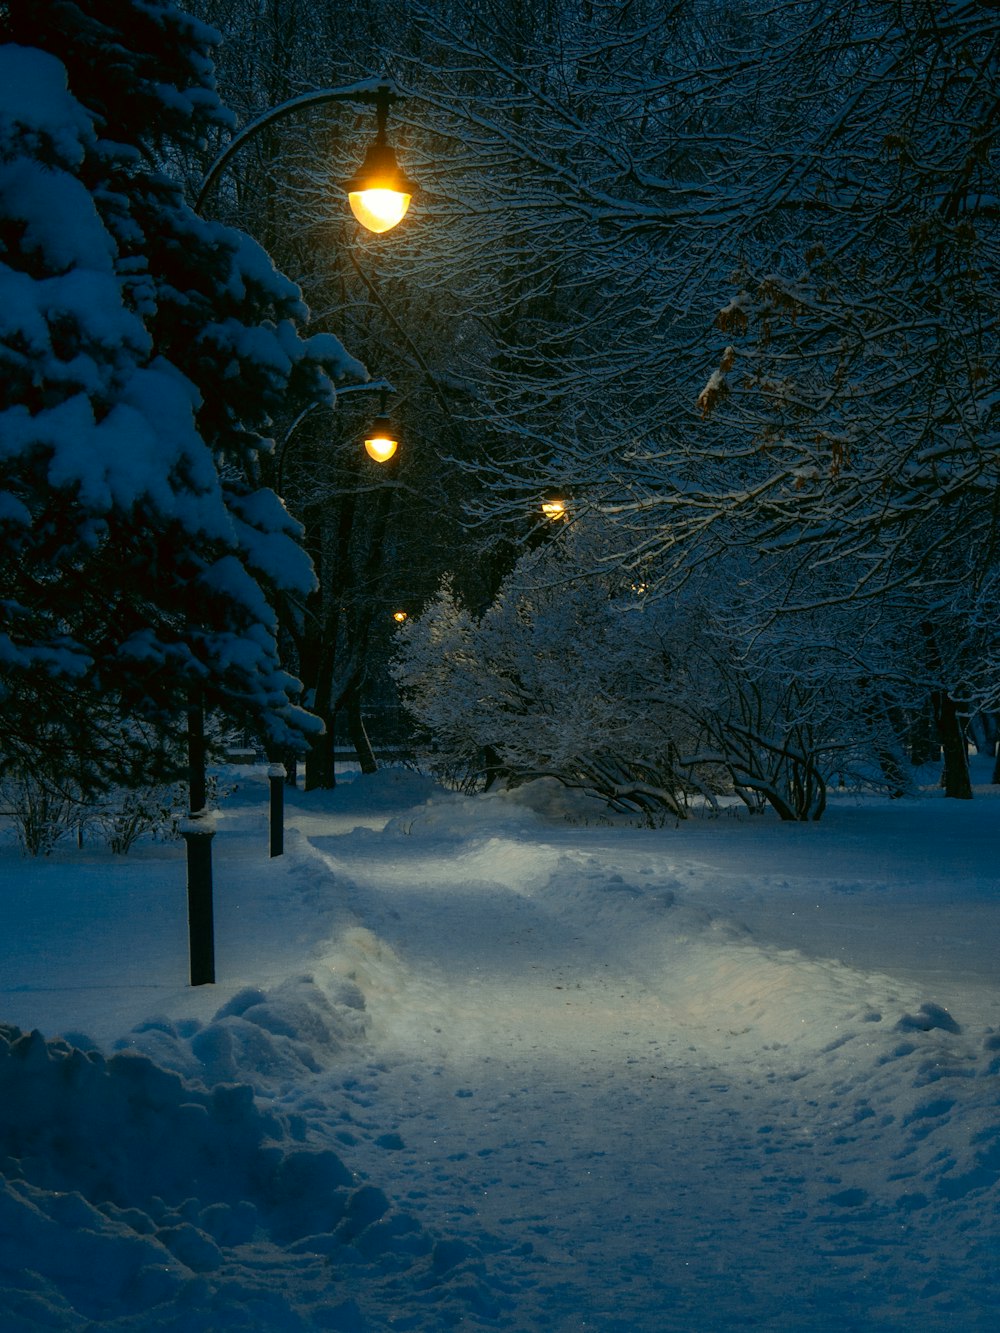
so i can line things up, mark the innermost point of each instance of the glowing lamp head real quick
(554, 509)
(379, 193)
(380, 442)
(399, 616)
(378, 210)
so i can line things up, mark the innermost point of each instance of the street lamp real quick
(380, 443)
(381, 446)
(380, 438)
(380, 429)
(198, 831)
(379, 195)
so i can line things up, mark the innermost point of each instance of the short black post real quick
(197, 832)
(276, 777)
(198, 835)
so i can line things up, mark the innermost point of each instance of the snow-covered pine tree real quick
(143, 351)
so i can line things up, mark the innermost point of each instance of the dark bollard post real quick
(198, 834)
(276, 778)
(198, 831)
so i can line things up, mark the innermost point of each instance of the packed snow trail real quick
(578, 1058)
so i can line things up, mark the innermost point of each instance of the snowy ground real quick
(509, 1072)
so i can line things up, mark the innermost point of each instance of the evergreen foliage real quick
(144, 352)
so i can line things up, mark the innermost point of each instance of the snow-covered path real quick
(559, 1076)
(691, 1129)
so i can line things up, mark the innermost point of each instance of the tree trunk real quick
(986, 741)
(955, 778)
(319, 764)
(949, 715)
(319, 757)
(889, 748)
(924, 747)
(317, 675)
(356, 729)
(494, 766)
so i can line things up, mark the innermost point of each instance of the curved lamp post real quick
(381, 446)
(379, 195)
(380, 429)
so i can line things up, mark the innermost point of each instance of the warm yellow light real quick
(554, 508)
(399, 616)
(379, 210)
(379, 192)
(381, 448)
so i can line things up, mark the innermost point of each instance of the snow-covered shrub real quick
(569, 674)
(40, 812)
(126, 816)
(765, 734)
(794, 708)
(576, 672)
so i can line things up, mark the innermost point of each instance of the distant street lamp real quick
(380, 443)
(555, 509)
(380, 438)
(400, 616)
(379, 428)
